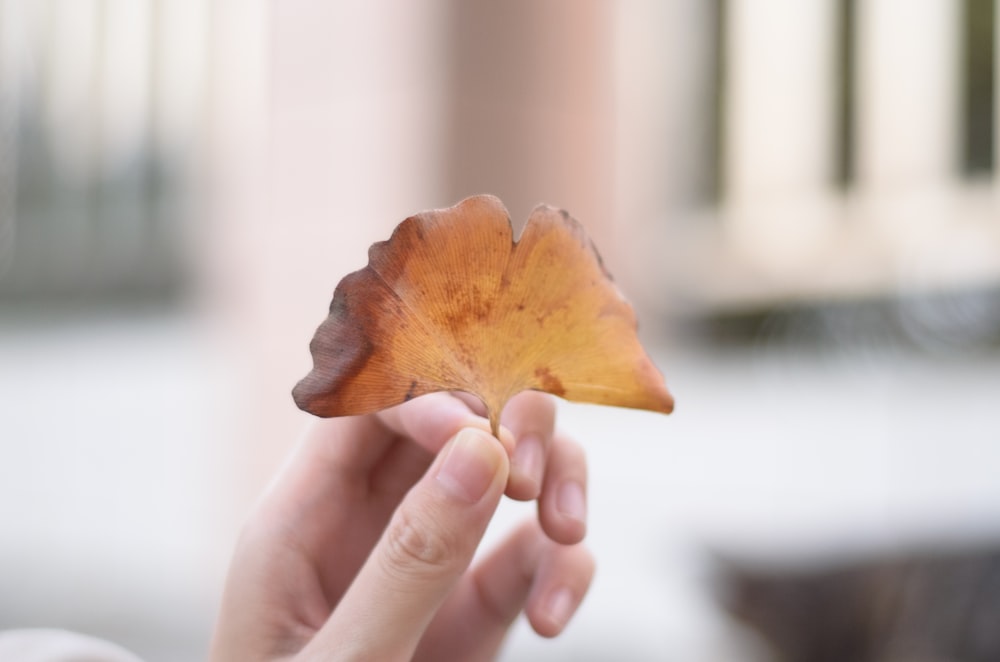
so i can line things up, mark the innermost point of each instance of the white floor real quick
(110, 481)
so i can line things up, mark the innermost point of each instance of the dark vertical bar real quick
(155, 245)
(978, 45)
(10, 83)
(716, 184)
(846, 81)
(96, 184)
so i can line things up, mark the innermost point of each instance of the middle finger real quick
(531, 416)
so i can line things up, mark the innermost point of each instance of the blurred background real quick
(802, 199)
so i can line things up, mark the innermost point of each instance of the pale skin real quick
(361, 548)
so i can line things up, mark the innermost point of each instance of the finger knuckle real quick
(415, 545)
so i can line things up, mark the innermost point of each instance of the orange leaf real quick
(451, 303)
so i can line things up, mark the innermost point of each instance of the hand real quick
(361, 548)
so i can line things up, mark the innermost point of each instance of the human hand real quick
(361, 548)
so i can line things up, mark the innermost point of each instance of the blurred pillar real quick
(328, 126)
(530, 109)
(779, 118)
(908, 93)
(779, 126)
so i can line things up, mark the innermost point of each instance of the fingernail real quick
(571, 502)
(560, 606)
(470, 465)
(528, 458)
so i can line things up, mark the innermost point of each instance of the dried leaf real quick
(451, 302)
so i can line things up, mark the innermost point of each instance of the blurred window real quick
(99, 126)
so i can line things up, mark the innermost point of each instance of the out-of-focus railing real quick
(102, 109)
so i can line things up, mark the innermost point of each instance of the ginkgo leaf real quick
(451, 303)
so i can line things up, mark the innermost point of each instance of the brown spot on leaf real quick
(550, 383)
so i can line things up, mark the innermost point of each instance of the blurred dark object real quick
(937, 323)
(930, 607)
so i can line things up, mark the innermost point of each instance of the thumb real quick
(426, 547)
